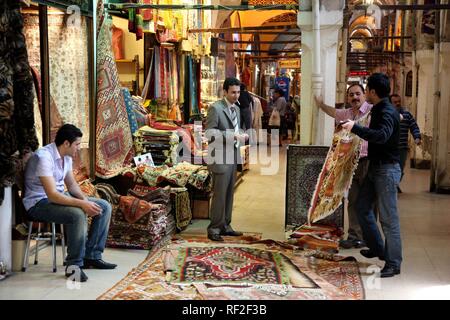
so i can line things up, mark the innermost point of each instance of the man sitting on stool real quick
(47, 171)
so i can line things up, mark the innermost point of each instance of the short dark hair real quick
(356, 84)
(279, 91)
(231, 82)
(380, 83)
(67, 132)
(394, 95)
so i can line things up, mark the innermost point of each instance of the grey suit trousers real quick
(222, 199)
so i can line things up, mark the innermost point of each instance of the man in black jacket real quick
(383, 178)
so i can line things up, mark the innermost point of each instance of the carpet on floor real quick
(310, 278)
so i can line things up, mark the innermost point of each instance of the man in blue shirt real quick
(46, 174)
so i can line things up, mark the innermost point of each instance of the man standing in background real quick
(407, 124)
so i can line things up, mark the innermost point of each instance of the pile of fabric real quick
(162, 144)
(180, 175)
(317, 237)
(136, 223)
(175, 198)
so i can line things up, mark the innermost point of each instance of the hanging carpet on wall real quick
(114, 141)
(68, 70)
(17, 131)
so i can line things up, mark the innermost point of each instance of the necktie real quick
(235, 123)
(234, 119)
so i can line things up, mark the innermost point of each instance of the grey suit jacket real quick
(222, 148)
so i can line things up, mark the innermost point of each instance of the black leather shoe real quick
(389, 271)
(232, 233)
(369, 254)
(215, 237)
(75, 273)
(98, 264)
(346, 244)
(359, 244)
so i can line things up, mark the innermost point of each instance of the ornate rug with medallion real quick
(233, 265)
(294, 276)
(114, 141)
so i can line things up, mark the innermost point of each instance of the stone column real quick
(317, 127)
(443, 146)
(424, 116)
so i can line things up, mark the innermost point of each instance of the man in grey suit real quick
(225, 137)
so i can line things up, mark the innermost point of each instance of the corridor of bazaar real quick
(331, 116)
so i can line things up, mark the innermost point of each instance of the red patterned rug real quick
(114, 141)
(331, 280)
(344, 275)
(235, 265)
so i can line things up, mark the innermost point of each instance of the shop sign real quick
(289, 64)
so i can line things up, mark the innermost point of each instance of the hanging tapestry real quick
(233, 265)
(68, 67)
(337, 173)
(304, 164)
(56, 120)
(129, 104)
(157, 72)
(17, 132)
(114, 141)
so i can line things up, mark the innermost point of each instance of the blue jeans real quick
(79, 244)
(380, 188)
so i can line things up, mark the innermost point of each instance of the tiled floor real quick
(259, 207)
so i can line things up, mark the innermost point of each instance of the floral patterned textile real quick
(336, 175)
(114, 141)
(69, 73)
